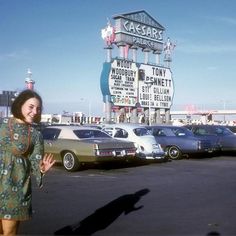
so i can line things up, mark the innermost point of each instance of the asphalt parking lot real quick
(183, 197)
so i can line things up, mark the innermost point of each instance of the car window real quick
(50, 133)
(201, 131)
(158, 132)
(232, 128)
(108, 130)
(222, 131)
(120, 133)
(141, 131)
(82, 134)
(180, 132)
(219, 131)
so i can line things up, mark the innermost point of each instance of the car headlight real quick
(154, 146)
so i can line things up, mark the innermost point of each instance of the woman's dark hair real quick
(19, 102)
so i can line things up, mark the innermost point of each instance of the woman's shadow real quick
(105, 215)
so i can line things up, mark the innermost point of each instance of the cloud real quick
(228, 20)
(14, 55)
(206, 48)
(225, 20)
(212, 68)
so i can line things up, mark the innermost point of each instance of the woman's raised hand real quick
(46, 163)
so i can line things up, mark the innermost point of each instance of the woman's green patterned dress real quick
(21, 149)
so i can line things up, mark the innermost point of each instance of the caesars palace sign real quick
(132, 84)
(139, 29)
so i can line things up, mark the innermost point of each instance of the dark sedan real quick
(225, 138)
(178, 141)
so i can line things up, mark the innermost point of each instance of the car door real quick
(160, 136)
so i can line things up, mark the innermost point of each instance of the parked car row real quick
(75, 145)
(176, 141)
(220, 135)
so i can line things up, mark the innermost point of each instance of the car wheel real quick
(174, 153)
(70, 161)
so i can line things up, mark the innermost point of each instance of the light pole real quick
(8, 97)
(149, 85)
(89, 105)
(224, 107)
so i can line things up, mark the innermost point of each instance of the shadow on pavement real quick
(105, 215)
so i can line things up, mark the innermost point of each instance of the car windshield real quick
(141, 131)
(82, 134)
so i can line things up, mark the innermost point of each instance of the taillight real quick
(131, 151)
(199, 145)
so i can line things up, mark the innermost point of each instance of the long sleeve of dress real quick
(36, 156)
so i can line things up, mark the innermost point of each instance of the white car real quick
(147, 147)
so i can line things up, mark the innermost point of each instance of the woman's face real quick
(30, 110)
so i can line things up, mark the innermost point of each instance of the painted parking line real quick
(93, 175)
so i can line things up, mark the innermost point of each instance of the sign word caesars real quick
(139, 29)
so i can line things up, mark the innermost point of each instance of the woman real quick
(21, 153)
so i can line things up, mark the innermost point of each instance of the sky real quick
(60, 41)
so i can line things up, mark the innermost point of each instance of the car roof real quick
(167, 126)
(128, 126)
(204, 125)
(67, 130)
(71, 127)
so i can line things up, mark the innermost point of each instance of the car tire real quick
(70, 161)
(174, 153)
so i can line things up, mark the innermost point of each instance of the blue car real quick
(222, 135)
(179, 141)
